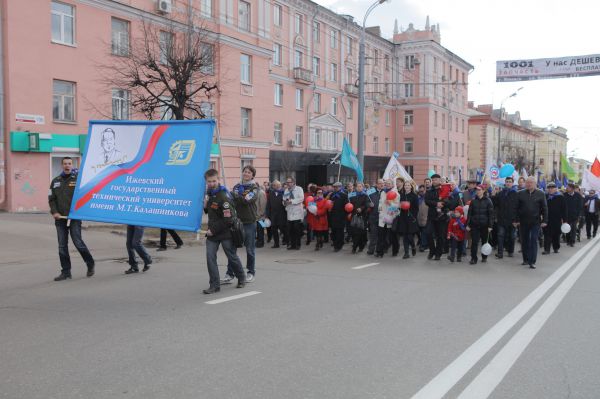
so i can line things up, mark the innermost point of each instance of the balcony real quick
(302, 75)
(351, 89)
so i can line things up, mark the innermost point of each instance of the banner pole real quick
(339, 170)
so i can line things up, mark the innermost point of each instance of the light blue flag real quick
(349, 160)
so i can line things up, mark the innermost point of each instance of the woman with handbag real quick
(360, 200)
(409, 210)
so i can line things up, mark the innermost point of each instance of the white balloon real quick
(486, 249)
(312, 209)
(565, 228)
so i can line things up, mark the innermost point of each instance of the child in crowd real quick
(456, 233)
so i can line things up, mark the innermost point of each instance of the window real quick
(299, 99)
(449, 148)
(246, 69)
(316, 66)
(244, 16)
(333, 73)
(166, 112)
(315, 138)
(444, 95)
(386, 60)
(443, 121)
(350, 45)
(333, 39)
(277, 50)
(349, 139)
(462, 149)
(409, 62)
(435, 118)
(120, 37)
(334, 106)
(298, 20)
(408, 145)
(165, 44)
(349, 76)
(246, 122)
(63, 23)
(298, 136)
(443, 147)
(435, 91)
(456, 125)
(208, 59)
(316, 32)
(277, 15)
(298, 59)
(463, 126)
(408, 118)
(375, 145)
(435, 63)
(120, 104)
(449, 122)
(456, 149)
(435, 146)
(386, 143)
(277, 129)
(278, 94)
(409, 90)
(63, 101)
(350, 109)
(410, 169)
(375, 57)
(244, 163)
(317, 103)
(207, 109)
(387, 118)
(206, 8)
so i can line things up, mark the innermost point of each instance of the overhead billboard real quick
(547, 68)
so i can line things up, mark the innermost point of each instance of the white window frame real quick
(333, 72)
(409, 90)
(298, 23)
(409, 118)
(350, 109)
(63, 16)
(120, 104)
(334, 106)
(206, 8)
(246, 69)
(386, 143)
(277, 132)
(208, 55)
(350, 44)
(411, 142)
(317, 103)
(333, 39)
(246, 122)
(375, 145)
(208, 109)
(316, 32)
(166, 113)
(316, 66)
(119, 38)
(277, 53)
(277, 14)
(387, 118)
(298, 56)
(244, 15)
(298, 133)
(299, 99)
(165, 45)
(64, 99)
(278, 100)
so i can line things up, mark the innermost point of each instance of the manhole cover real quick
(295, 261)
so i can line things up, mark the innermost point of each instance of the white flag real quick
(590, 181)
(524, 173)
(394, 170)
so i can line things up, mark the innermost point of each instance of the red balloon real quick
(329, 204)
(349, 217)
(405, 205)
(391, 195)
(349, 207)
(310, 199)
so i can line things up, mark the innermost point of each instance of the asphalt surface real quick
(317, 328)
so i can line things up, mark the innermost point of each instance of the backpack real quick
(237, 231)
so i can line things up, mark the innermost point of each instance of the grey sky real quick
(483, 31)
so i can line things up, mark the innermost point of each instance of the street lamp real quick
(500, 124)
(361, 86)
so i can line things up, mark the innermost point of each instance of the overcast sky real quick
(483, 31)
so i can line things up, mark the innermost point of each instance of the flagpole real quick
(339, 170)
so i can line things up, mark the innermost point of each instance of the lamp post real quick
(500, 124)
(361, 87)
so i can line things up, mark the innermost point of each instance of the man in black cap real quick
(437, 218)
(574, 202)
(557, 214)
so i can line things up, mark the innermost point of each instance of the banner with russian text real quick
(547, 68)
(144, 173)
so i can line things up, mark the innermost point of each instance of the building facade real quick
(549, 149)
(287, 74)
(579, 165)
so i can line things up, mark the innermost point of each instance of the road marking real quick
(441, 384)
(489, 378)
(364, 266)
(232, 298)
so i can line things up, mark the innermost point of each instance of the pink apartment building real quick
(286, 69)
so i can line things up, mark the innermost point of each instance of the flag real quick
(557, 182)
(590, 181)
(567, 170)
(349, 160)
(524, 173)
(595, 169)
(394, 170)
(542, 183)
(565, 181)
(479, 175)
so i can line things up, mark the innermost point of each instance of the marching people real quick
(275, 212)
(531, 214)
(338, 218)
(422, 219)
(133, 245)
(319, 224)
(574, 202)
(557, 215)
(408, 225)
(293, 197)
(245, 197)
(437, 219)
(389, 203)
(457, 228)
(592, 210)
(162, 245)
(219, 206)
(60, 196)
(479, 222)
(311, 191)
(360, 203)
(374, 215)
(348, 230)
(504, 202)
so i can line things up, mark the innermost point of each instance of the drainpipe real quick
(2, 118)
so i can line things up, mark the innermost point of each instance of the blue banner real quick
(349, 160)
(144, 173)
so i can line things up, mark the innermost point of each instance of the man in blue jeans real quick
(531, 209)
(133, 245)
(245, 196)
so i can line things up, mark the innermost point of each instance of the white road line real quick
(447, 378)
(364, 266)
(489, 378)
(232, 298)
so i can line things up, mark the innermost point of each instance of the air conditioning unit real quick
(164, 6)
(291, 143)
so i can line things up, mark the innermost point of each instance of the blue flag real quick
(542, 183)
(565, 181)
(557, 182)
(349, 160)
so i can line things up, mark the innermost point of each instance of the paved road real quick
(317, 328)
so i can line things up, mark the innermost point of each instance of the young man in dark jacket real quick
(557, 214)
(530, 209)
(591, 210)
(218, 205)
(360, 202)
(338, 216)
(479, 222)
(276, 213)
(504, 202)
(574, 202)
(374, 194)
(61, 193)
(437, 219)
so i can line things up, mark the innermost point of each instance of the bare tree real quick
(169, 71)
